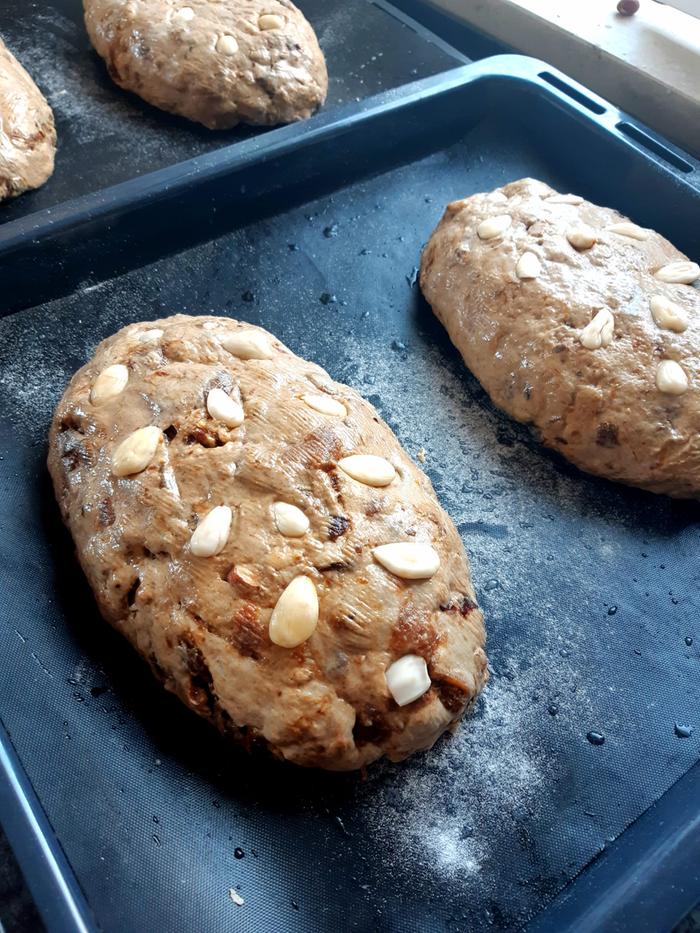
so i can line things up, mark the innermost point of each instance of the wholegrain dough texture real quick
(27, 132)
(218, 62)
(599, 406)
(202, 622)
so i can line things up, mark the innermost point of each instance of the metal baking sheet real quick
(590, 589)
(107, 136)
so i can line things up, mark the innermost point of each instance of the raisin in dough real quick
(27, 133)
(235, 421)
(218, 62)
(579, 322)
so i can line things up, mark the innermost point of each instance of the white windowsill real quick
(647, 64)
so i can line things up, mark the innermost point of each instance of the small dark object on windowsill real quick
(627, 7)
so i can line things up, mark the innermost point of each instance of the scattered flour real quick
(439, 814)
(65, 70)
(32, 382)
(445, 815)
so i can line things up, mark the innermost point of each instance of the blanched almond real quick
(109, 384)
(224, 408)
(671, 378)
(211, 534)
(668, 314)
(599, 332)
(628, 229)
(150, 336)
(368, 469)
(564, 199)
(295, 617)
(184, 14)
(582, 237)
(226, 45)
(494, 226)
(136, 451)
(247, 345)
(270, 21)
(408, 679)
(678, 273)
(289, 520)
(407, 559)
(528, 267)
(325, 405)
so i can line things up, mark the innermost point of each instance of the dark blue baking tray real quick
(590, 590)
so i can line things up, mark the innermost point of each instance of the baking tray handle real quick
(629, 132)
(50, 879)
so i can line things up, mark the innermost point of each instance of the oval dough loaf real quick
(579, 322)
(27, 132)
(264, 482)
(218, 62)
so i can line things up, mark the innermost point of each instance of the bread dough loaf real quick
(218, 62)
(27, 132)
(235, 421)
(579, 322)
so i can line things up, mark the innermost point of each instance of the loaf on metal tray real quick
(260, 536)
(218, 63)
(27, 132)
(579, 322)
